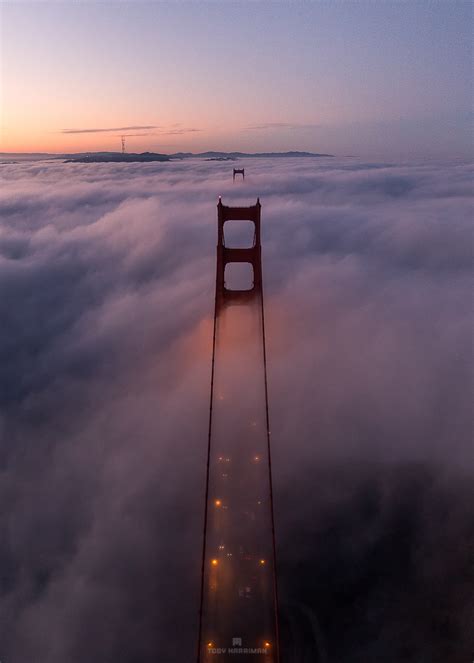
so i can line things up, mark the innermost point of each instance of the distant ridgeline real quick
(116, 157)
(106, 157)
(246, 155)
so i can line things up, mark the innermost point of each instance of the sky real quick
(107, 275)
(376, 79)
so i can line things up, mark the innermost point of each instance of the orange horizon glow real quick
(34, 139)
(21, 135)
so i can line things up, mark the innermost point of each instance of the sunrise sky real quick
(375, 79)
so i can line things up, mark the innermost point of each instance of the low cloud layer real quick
(158, 130)
(106, 297)
(108, 129)
(281, 125)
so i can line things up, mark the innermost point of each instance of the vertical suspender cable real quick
(267, 416)
(201, 605)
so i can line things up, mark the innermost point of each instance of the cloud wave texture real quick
(106, 296)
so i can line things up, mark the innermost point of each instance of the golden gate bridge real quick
(239, 599)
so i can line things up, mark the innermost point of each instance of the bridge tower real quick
(239, 606)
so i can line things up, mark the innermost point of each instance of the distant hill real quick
(103, 157)
(118, 157)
